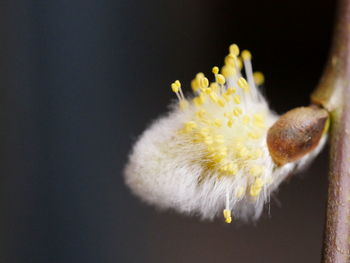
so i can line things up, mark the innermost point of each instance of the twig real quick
(333, 94)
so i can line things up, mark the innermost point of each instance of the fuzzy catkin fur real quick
(164, 171)
(171, 168)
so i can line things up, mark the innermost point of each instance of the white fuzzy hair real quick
(164, 171)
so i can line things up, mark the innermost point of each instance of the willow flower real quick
(211, 154)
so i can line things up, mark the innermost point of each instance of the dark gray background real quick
(80, 80)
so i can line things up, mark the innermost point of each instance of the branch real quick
(333, 94)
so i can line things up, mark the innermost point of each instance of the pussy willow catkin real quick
(209, 154)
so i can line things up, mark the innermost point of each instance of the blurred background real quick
(80, 80)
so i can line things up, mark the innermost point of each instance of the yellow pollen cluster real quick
(226, 126)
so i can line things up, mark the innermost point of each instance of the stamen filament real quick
(227, 211)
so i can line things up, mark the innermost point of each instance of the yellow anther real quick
(229, 123)
(246, 55)
(230, 60)
(232, 168)
(240, 192)
(258, 117)
(178, 83)
(214, 86)
(204, 132)
(175, 88)
(213, 96)
(195, 84)
(243, 84)
(246, 119)
(208, 140)
(221, 102)
(219, 155)
(228, 71)
(226, 97)
(223, 168)
(254, 191)
(211, 149)
(227, 216)
(230, 91)
(189, 126)
(222, 150)
(197, 101)
(256, 170)
(251, 135)
(203, 135)
(258, 182)
(237, 99)
(217, 158)
(217, 123)
(215, 70)
(243, 153)
(259, 78)
(254, 135)
(204, 82)
(220, 79)
(237, 111)
(200, 75)
(206, 90)
(201, 113)
(234, 50)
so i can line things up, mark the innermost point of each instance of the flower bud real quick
(296, 133)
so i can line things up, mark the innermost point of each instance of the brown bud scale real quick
(296, 133)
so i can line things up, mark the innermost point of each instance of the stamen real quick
(195, 84)
(230, 90)
(204, 82)
(242, 83)
(175, 88)
(178, 83)
(247, 57)
(256, 170)
(234, 50)
(215, 70)
(227, 211)
(189, 126)
(220, 79)
(255, 189)
(237, 99)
